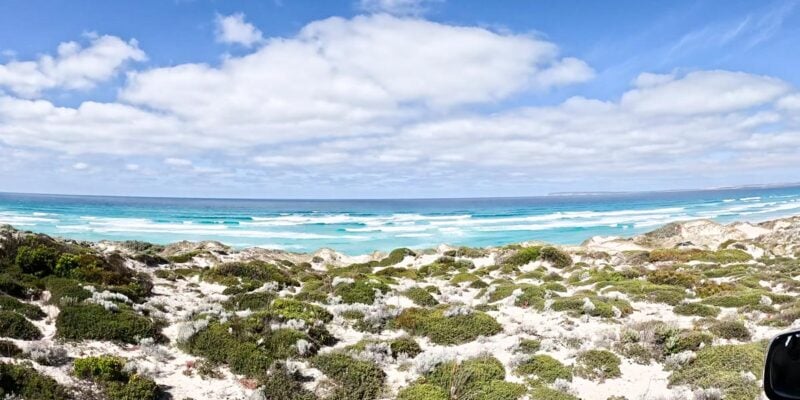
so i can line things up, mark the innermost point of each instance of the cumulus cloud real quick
(397, 7)
(378, 101)
(73, 66)
(234, 29)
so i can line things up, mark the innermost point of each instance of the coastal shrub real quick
(468, 379)
(524, 256)
(463, 277)
(61, 288)
(724, 367)
(36, 260)
(497, 390)
(30, 311)
(641, 290)
(361, 291)
(9, 349)
(355, 379)
(249, 301)
(597, 365)
(531, 296)
(280, 384)
(698, 309)
(542, 368)
(546, 393)
(554, 287)
(447, 330)
(287, 309)
(94, 322)
(420, 297)
(231, 273)
(423, 391)
(467, 252)
(66, 263)
(595, 306)
(397, 272)
(743, 298)
(730, 329)
(529, 346)
(28, 383)
(405, 345)
(14, 286)
(218, 345)
(118, 384)
(396, 256)
(667, 276)
(15, 326)
(558, 258)
(726, 256)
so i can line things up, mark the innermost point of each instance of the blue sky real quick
(396, 98)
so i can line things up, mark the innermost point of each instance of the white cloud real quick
(80, 166)
(703, 92)
(132, 167)
(234, 29)
(397, 7)
(178, 162)
(74, 66)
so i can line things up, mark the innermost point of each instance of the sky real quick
(396, 98)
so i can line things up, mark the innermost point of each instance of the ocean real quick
(363, 226)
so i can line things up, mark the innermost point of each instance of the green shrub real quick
(102, 368)
(66, 264)
(93, 322)
(117, 383)
(529, 346)
(9, 349)
(545, 393)
(230, 274)
(16, 287)
(395, 257)
(698, 309)
(30, 311)
(686, 340)
(444, 330)
(729, 329)
(722, 367)
(423, 391)
(531, 296)
(726, 256)
(556, 257)
(405, 345)
(219, 345)
(28, 383)
(15, 326)
(36, 260)
(420, 297)
(524, 256)
(361, 291)
(544, 369)
(250, 301)
(287, 309)
(666, 276)
(280, 384)
(60, 288)
(597, 365)
(742, 298)
(355, 379)
(468, 378)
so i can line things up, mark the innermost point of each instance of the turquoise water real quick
(362, 226)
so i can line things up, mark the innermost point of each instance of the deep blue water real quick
(362, 226)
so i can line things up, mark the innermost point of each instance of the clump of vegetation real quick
(698, 309)
(404, 345)
(529, 346)
(28, 383)
(9, 349)
(459, 327)
(396, 256)
(355, 379)
(595, 306)
(542, 368)
(252, 272)
(597, 365)
(724, 367)
(531, 296)
(280, 384)
(249, 301)
(94, 322)
(30, 311)
(39, 260)
(524, 256)
(482, 377)
(730, 329)
(361, 291)
(556, 257)
(15, 326)
(725, 256)
(423, 391)
(744, 298)
(420, 297)
(286, 309)
(108, 372)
